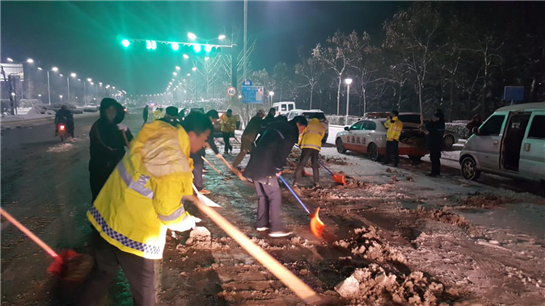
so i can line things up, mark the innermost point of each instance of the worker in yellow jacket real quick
(229, 123)
(141, 199)
(311, 145)
(394, 126)
(158, 114)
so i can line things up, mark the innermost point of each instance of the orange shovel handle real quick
(30, 234)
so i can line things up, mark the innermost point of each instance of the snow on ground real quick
(61, 147)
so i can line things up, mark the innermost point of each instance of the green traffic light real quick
(126, 43)
(207, 48)
(197, 48)
(151, 44)
(175, 46)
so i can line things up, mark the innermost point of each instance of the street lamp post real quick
(271, 95)
(347, 82)
(60, 96)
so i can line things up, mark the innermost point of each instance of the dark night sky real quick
(84, 37)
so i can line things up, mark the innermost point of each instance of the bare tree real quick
(412, 33)
(310, 69)
(338, 55)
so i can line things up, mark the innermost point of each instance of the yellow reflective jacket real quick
(394, 129)
(142, 197)
(312, 136)
(228, 124)
(157, 114)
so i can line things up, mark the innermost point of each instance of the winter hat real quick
(172, 111)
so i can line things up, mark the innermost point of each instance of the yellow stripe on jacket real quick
(142, 197)
(312, 135)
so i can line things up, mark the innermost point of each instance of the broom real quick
(68, 265)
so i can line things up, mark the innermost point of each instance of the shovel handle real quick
(126, 140)
(321, 164)
(210, 164)
(277, 269)
(235, 171)
(294, 194)
(30, 234)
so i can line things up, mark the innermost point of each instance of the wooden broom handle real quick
(30, 234)
(282, 273)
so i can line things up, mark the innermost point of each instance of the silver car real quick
(511, 142)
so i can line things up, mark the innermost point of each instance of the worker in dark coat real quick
(266, 163)
(108, 143)
(145, 114)
(248, 137)
(436, 130)
(198, 162)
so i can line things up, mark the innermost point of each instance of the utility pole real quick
(48, 88)
(245, 50)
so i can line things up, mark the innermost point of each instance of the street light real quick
(347, 82)
(61, 74)
(60, 97)
(191, 36)
(30, 61)
(73, 75)
(186, 56)
(174, 74)
(89, 80)
(194, 68)
(40, 68)
(271, 95)
(178, 68)
(221, 37)
(10, 60)
(55, 69)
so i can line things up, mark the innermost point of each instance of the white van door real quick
(488, 142)
(532, 152)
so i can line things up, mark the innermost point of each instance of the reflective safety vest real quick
(394, 129)
(142, 197)
(312, 136)
(157, 114)
(228, 124)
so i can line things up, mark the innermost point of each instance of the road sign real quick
(247, 82)
(231, 91)
(252, 94)
(513, 93)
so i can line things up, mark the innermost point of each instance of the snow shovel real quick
(338, 178)
(68, 265)
(316, 225)
(289, 279)
(235, 171)
(204, 199)
(210, 164)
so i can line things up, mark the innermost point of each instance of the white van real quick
(511, 142)
(283, 108)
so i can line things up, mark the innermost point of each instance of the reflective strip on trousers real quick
(138, 186)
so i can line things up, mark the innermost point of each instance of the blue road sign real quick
(247, 82)
(513, 93)
(252, 94)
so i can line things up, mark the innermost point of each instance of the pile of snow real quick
(373, 284)
(367, 244)
(63, 147)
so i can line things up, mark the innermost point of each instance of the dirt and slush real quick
(392, 242)
(395, 237)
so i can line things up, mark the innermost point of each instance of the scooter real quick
(61, 131)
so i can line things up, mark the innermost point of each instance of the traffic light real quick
(197, 48)
(126, 43)
(207, 48)
(151, 44)
(175, 46)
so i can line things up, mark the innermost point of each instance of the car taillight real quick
(61, 127)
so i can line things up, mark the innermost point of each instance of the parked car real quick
(283, 108)
(314, 112)
(368, 136)
(511, 143)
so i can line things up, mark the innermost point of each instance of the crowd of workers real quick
(139, 184)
